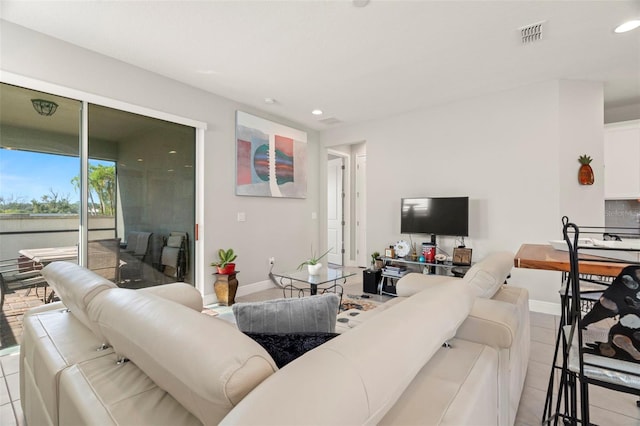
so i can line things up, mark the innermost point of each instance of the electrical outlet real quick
(272, 260)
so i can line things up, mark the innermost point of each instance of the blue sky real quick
(27, 175)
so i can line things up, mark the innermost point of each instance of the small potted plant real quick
(225, 265)
(374, 256)
(313, 263)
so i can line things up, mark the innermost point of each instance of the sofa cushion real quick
(171, 343)
(486, 276)
(285, 347)
(76, 287)
(458, 386)
(103, 392)
(312, 314)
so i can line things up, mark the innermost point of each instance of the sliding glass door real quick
(121, 188)
(142, 169)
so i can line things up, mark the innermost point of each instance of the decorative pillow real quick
(486, 277)
(286, 347)
(312, 314)
(621, 299)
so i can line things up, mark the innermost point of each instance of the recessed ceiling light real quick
(317, 112)
(170, 170)
(269, 101)
(172, 152)
(628, 26)
(140, 159)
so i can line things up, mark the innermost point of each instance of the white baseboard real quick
(243, 290)
(209, 299)
(543, 307)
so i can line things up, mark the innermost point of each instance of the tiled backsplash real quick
(624, 213)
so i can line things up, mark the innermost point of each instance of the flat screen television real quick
(437, 216)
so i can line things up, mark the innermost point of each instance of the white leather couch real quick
(106, 355)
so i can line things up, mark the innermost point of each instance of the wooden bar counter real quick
(544, 256)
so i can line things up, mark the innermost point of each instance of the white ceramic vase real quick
(314, 269)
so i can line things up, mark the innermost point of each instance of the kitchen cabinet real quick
(622, 160)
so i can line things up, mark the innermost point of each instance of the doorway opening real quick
(346, 204)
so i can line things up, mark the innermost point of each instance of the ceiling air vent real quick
(531, 33)
(330, 121)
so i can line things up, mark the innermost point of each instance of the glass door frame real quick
(86, 99)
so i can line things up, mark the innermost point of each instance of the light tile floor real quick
(608, 407)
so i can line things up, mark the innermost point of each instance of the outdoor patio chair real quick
(174, 256)
(104, 258)
(19, 273)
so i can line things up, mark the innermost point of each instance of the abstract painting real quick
(271, 159)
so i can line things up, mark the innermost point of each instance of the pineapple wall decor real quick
(585, 174)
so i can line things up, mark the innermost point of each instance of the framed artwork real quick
(271, 159)
(461, 256)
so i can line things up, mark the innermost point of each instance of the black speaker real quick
(370, 280)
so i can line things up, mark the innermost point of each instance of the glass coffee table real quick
(300, 282)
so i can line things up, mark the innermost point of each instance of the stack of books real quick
(395, 270)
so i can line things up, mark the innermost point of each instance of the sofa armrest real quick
(491, 322)
(181, 293)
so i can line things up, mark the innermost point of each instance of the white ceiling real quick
(356, 64)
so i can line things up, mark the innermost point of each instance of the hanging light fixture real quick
(44, 107)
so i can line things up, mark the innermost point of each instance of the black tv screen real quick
(437, 216)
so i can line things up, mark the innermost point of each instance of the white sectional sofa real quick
(106, 355)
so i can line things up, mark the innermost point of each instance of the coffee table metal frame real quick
(294, 282)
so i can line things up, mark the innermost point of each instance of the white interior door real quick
(335, 220)
(362, 257)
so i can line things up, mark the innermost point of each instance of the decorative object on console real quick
(414, 252)
(313, 263)
(462, 256)
(390, 252)
(225, 263)
(271, 159)
(585, 173)
(402, 248)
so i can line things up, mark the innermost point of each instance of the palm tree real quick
(102, 182)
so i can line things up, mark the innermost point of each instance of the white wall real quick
(614, 114)
(506, 151)
(281, 228)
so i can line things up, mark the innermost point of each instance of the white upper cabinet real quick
(622, 160)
